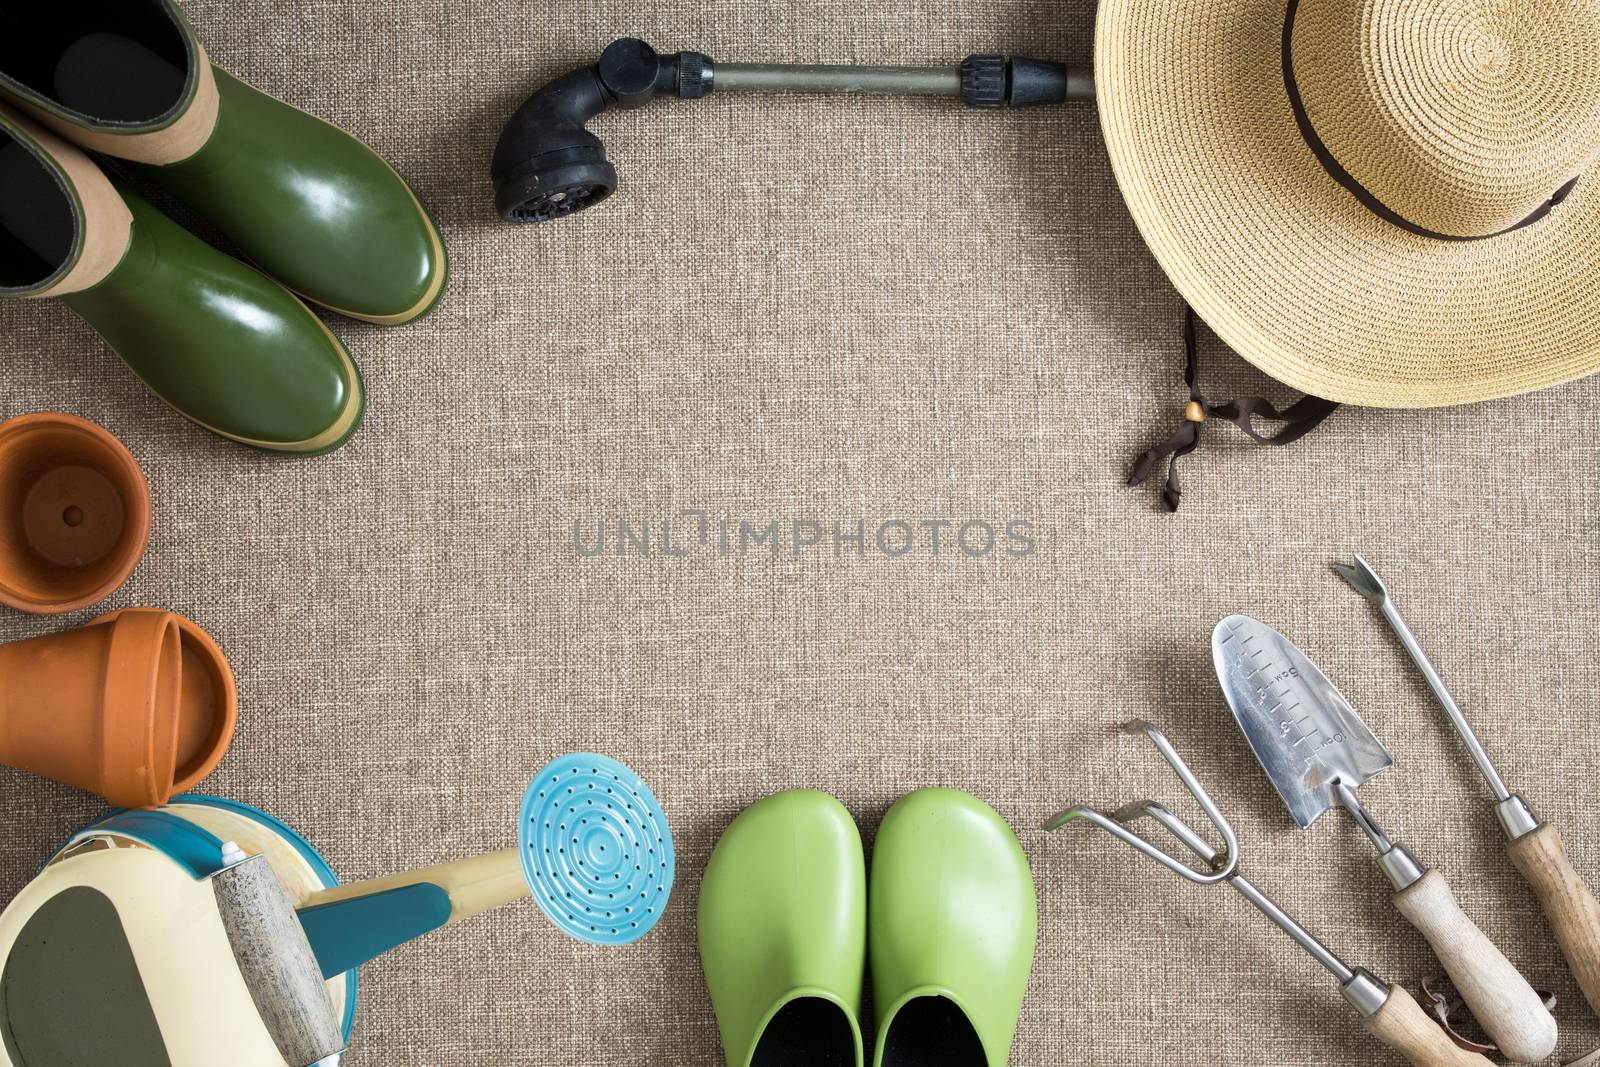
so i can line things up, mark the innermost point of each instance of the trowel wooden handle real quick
(1405, 1027)
(1502, 1001)
(1568, 904)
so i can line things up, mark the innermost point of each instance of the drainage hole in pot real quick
(73, 516)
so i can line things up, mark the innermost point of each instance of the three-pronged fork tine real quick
(1220, 865)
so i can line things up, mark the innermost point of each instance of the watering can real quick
(206, 931)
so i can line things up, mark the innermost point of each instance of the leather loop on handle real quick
(1405, 1027)
(1568, 903)
(1502, 1001)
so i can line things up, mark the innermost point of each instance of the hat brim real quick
(1287, 267)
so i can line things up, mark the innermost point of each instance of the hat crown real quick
(1462, 117)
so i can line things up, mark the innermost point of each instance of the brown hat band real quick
(1361, 192)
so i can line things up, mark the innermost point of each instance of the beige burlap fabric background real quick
(841, 311)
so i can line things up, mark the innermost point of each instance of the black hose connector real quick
(547, 164)
(983, 81)
(995, 81)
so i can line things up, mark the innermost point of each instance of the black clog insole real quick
(807, 1032)
(932, 1032)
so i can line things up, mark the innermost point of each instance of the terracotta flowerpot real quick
(137, 706)
(74, 513)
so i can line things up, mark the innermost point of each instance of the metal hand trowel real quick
(1318, 752)
(1307, 737)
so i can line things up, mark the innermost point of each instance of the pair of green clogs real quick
(786, 922)
(231, 347)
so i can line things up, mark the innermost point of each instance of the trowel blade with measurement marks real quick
(1301, 728)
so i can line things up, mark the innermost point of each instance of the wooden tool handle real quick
(1502, 1001)
(1405, 1027)
(1568, 904)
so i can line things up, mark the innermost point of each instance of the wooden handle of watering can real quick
(475, 884)
(1502, 1001)
(1405, 1027)
(1568, 904)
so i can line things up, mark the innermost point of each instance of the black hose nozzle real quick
(547, 164)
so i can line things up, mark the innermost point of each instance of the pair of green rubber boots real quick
(324, 218)
(786, 920)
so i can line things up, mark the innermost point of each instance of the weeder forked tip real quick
(1363, 579)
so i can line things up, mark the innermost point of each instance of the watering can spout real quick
(593, 848)
(351, 924)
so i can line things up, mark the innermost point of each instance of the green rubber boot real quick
(226, 346)
(954, 920)
(782, 924)
(307, 203)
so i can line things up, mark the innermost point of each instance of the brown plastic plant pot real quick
(74, 513)
(138, 706)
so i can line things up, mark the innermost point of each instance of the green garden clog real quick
(953, 925)
(782, 927)
(226, 346)
(307, 203)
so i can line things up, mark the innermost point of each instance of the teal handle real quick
(347, 933)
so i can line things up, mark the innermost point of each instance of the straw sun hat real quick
(1392, 203)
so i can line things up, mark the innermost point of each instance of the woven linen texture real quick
(839, 310)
